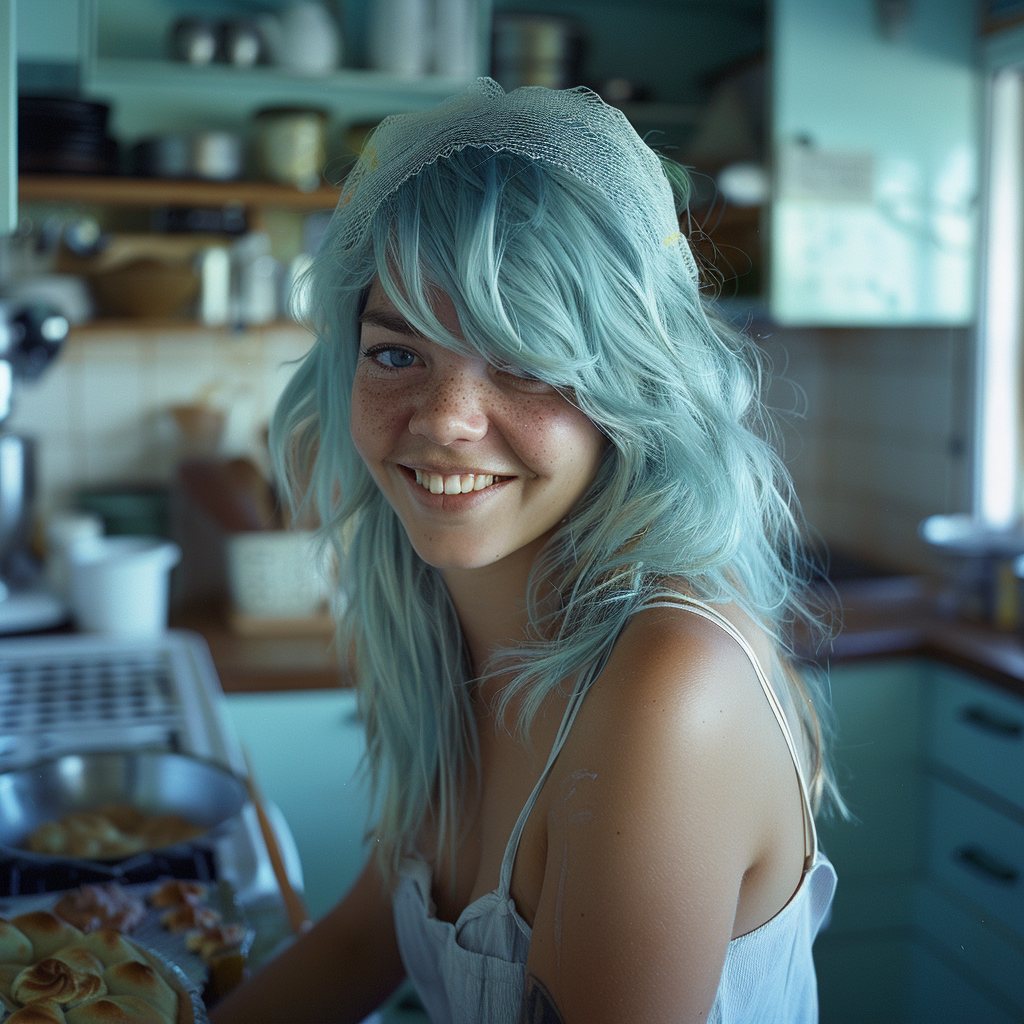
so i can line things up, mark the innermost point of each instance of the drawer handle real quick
(982, 718)
(985, 864)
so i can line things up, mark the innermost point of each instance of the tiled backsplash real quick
(100, 412)
(882, 442)
(885, 436)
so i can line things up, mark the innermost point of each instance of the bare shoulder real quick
(672, 674)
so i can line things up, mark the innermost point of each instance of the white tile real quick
(111, 391)
(44, 407)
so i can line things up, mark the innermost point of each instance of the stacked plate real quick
(58, 135)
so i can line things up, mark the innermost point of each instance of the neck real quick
(491, 605)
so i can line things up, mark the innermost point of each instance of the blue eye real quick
(391, 356)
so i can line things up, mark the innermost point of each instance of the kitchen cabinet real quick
(306, 748)
(875, 126)
(928, 922)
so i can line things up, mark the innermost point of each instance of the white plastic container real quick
(119, 585)
(63, 531)
(273, 574)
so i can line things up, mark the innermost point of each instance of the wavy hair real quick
(545, 275)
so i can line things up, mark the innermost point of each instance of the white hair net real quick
(574, 129)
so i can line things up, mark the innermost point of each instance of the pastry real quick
(15, 946)
(116, 1010)
(46, 932)
(106, 905)
(54, 979)
(45, 1011)
(107, 945)
(211, 942)
(132, 978)
(174, 892)
(189, 915)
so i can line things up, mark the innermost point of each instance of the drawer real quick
(979, 731)
(978, 851)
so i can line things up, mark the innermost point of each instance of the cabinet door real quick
(306, 748)
(8, 122)
(979, 732)
(873, 213)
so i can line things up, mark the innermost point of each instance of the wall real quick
(99, 413)
(883, 435)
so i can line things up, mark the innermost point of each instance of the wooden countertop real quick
(889, 617)
(261, 663)
(885, 617)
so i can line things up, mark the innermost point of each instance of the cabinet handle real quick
(981, 718)
(978, 860)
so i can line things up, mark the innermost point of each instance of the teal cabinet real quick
(928, 920)
(306, 749)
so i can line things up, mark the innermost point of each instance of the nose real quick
(451, 407)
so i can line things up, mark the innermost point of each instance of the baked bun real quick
(189, 915)
(45, 931)
(15, 945)
(80, 959)
(8, 972)
(116, 1010)
(132, 978)
(54, 979)
(44, 1012)
(175, 891)
(108, 946)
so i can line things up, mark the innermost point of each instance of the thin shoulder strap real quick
(692, 604)
(575, 702)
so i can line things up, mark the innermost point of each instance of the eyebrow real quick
(389, 321)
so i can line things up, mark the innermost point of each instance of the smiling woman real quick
(572, 567)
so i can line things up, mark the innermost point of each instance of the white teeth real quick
(455, 484)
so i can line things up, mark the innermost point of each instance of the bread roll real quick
(80, 959)
(44, 1012)
(108, 946)
(46, 932)
(189, 915)
(8, 972)
(116, 1010)
(132, 978)
(54, 979)
(15, 945)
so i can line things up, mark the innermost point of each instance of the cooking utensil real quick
(156, 782)
(294, 905)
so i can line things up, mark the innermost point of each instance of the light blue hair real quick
(545, 275)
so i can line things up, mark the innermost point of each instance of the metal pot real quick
(200, 791)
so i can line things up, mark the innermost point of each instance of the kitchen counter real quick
(883, 617)
(253, 664)
(891, 616)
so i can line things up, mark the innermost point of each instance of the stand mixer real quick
(29, 338)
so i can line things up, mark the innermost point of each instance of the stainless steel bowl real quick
(159, 783)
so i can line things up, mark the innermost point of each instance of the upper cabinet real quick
(875, 125)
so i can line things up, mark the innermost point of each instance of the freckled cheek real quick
(375, 423)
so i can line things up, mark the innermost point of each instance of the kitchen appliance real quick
(157, 781)
(67, 694)
(29, 339)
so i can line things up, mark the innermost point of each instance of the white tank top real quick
(474, 971)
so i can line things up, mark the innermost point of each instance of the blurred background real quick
(858, 211)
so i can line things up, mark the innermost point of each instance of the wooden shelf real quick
(142, 192)
(171, 325)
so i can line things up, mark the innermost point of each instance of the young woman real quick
(572, 566)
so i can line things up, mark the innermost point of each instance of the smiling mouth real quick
(456, 483)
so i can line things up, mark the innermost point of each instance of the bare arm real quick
(653, 832)
(339, 971)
